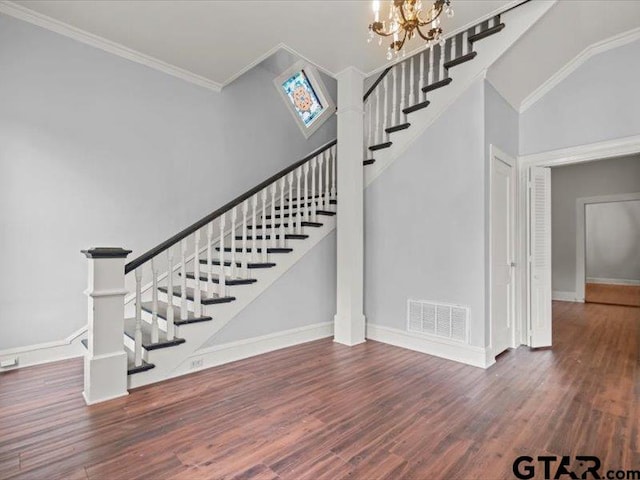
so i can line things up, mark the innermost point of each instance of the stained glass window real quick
(304, 99)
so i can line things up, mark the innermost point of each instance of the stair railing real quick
(403, 87)
(237, 223)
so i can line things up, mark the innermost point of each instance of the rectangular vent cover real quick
(438, 319)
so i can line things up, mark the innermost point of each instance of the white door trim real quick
(581, 204)
(495, 152)
(553, 158)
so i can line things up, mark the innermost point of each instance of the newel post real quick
(105, 364)
(349, 321)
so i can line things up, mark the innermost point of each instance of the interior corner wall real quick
(568, 183)
(424, 221)
(599, 101)
(96, 150)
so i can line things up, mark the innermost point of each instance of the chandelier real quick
(406, 19)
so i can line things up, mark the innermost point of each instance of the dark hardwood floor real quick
(325, 411)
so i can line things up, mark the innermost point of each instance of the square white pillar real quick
(349, 321)
(105, 364)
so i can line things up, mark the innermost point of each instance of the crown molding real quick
(594, 49)
(44, 21)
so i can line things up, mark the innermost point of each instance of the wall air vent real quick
(438, 319)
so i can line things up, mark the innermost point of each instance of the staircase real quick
(190, 286)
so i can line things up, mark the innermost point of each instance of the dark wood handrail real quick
(375, 84)
(145, 257)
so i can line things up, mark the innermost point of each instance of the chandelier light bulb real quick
(389, 54)
(450, 12)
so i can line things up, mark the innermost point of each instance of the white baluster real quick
(170, 319)
(412, 81)
(465, 42)
(222, 279)
(321, 203)
(283, 231)
(234, 266)
(254, 232)
(314, 215)
(454, 54)
(327, 187)
(334, 158)
(394, 107)
(210, 260)
(274, 230)
(430, 78)
(138, 333)
(442, 74)
(290, 181)
(378, 134)
(387, 122)
(301, 201)
(403, 89)
(263, 248)
(197, 295)
(155, 329)
(372, 121)
(306, 191)
(245, 264)
(422, 78)
(183, 280)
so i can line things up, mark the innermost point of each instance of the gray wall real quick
(424, 221)
(599, 101)
(605, 177)
(96, 150)
(613, 240)
(304, 295)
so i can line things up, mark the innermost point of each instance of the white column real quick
(349, 320)
(105, 364)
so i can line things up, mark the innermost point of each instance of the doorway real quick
(502, 250)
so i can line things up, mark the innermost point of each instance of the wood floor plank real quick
(325, 411)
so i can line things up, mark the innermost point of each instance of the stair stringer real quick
(175, 361)
(517, 22)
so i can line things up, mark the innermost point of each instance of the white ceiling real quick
(557, 38)
(218, 40)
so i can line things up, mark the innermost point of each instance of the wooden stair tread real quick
(295, 205)
(397, 128)
(259, 250)
(327, 213)
(439, 84)
(147, 344)
(460, 60)
(416, 107)
(369, 161)
(287, 236)
(206, 299)
(278, 225)
(228, 281)
(227, 263)
(162, 313)
(380, 146)
(486, 33)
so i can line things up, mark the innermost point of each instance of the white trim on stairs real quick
(458, 352)
(37, 354)
(613, 281)
(576, 62)
(241, 349)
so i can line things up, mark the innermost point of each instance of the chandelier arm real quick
(422, 23)
(383, 34)
(401, 8)
(428, 38)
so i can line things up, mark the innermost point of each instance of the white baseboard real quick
(69, 347)
(233, 351)
(612, 281)
(458, 352)
(564, 296)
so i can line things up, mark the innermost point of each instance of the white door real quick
(540, 257)
(502, 252)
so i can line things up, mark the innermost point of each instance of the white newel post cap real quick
(105, 365)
